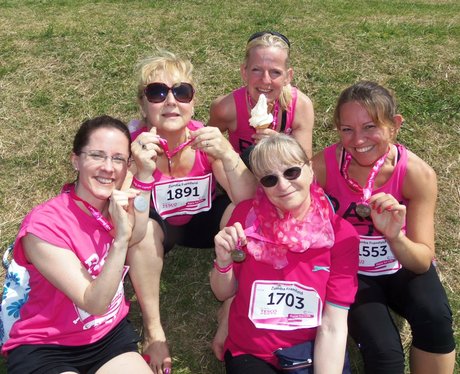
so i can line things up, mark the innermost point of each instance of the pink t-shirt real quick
(344, 199)
(180, 192)
(49, 316)
(242, 137)
(327, 273)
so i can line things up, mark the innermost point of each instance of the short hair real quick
(165, 62)
(276, 150)
(265, 39)
(83, 135)
(378, 101)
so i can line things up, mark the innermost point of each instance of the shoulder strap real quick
(283, 120)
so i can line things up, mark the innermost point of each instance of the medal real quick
(363, 210)
(238, 255)
(140, 203)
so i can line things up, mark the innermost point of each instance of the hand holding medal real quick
(388, 215)
(363, 208)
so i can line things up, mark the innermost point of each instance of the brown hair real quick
(378, 101)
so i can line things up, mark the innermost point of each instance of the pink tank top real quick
(344, 199)
(242, 137)
(184, 193)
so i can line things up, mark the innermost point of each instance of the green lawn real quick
(62, 61)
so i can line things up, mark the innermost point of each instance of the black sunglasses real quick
(262, 33)
(290, 174)
(157, 92)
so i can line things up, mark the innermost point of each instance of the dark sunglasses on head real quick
(157, 92)
(290, 174)
(262, 33)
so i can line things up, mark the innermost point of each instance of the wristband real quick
(223, 270)
(142, 185)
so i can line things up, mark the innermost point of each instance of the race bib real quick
(282, 305)
(189, 195)
(376, 257)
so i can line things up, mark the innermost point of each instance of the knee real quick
(434, 333)
(380, 359)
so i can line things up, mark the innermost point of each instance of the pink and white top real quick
(375, 255)
(177, 199)
(49, 316)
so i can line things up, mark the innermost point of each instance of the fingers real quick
(382, 202)
(208, 139)
(230, 238)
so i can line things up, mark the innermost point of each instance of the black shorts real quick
(55, 359)
(199, 232)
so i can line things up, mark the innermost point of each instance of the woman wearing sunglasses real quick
(265, 70)
(293, 289)
(189, 160)
(389, 195)
(74, 248)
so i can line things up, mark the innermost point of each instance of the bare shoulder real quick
(420, 178)
(319, 168)
(222, 113)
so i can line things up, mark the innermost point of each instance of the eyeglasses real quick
(290, 174)
(157, 92)
(275, 33)
(100, 157)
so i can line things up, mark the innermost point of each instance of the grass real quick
(63, 61)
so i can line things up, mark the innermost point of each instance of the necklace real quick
(170, 155)
(276, 108)
(70, 189)
(362, 208)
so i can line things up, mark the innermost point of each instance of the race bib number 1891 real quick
(180, 196)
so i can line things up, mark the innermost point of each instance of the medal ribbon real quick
(170, 155)
(367, 189)
(276, 109)
(70, 189)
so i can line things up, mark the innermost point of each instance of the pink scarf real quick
(270, 237)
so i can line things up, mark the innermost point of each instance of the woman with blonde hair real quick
(190, 159)
(265, 70)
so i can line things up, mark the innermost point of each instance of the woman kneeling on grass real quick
(298, 275)
(189, 160)
(74, 247)
(389, 195)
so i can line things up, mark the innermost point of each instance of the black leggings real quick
(420, 299)
(247, 364)
(199, 232)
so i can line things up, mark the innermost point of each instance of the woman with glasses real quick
(74, 248)
(189, 160)
(297, 278)
(265, 70)
(389, 195)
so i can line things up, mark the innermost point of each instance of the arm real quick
(302, 126)
(414, 249)
(222, 113)
(224, 284)
(145, 150)
(229, 170)
(91, 295)
(331, 340)
(319, 168)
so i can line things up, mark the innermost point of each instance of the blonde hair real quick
(269, 40)
(165, 62)
(378, 101)
(276, 150)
